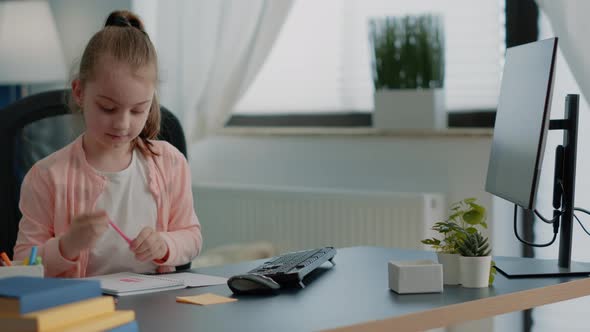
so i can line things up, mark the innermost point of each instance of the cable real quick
(582, 210)
(579, 222)
(555, 217)
(581, 225)
(555, 231)
(548, 221)
(575, 209)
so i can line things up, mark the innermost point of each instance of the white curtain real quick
(209, 52)
(569, 20)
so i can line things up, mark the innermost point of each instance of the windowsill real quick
(354, 131)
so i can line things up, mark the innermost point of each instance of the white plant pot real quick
(410, 109)
(475, 271)
(450, 263)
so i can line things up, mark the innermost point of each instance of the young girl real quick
(113, 173)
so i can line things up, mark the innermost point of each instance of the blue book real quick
(21, 295)
(129, 327)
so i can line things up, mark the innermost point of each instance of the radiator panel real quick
(302, 218)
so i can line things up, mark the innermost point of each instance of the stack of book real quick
(51, 304)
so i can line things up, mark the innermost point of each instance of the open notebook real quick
(128, 283)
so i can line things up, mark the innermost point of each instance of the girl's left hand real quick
(149, 245)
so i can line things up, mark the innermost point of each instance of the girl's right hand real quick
(85, 230)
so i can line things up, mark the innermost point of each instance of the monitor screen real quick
(522, 121)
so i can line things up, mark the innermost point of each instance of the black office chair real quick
(36, 126)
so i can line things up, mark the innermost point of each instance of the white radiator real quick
(303, 218)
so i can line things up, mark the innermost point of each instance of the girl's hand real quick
(149, 245)
(85, 230)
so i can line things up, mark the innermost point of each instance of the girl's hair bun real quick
(124, 18)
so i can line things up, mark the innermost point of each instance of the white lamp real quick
(30, 50)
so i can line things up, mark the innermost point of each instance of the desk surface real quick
(353, 293)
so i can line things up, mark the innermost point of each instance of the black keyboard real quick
(290, 268)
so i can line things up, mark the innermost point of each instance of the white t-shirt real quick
(131, 206)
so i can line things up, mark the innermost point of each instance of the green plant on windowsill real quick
(408, 52)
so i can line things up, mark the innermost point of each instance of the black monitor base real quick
(538, 268)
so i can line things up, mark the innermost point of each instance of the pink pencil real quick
(116, 228)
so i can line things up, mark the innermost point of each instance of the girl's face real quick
(115, 103)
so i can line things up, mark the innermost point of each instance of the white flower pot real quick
(450, 263)
(409, 109)
(475, 271)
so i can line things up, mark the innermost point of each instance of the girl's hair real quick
(124, 38)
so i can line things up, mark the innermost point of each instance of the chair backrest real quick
(33, 128)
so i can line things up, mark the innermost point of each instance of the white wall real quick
(455, 166)
(442, 164)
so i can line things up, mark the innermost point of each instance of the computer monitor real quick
(520, 131)
(521, 122)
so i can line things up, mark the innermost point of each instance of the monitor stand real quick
(513, 267)
(563, 198)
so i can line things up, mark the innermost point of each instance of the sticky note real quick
(205, 299)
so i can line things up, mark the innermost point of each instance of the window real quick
(320, 62)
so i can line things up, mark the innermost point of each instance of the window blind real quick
(321, 59)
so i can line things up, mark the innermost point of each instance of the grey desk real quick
(353, 295)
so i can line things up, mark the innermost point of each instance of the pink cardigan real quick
(64, 185)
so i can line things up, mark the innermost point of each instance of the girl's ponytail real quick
(124, 38)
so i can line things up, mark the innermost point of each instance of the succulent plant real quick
(474, 245)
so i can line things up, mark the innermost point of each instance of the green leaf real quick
(483, 250)
(476, 206)
(455, 215)
(474, 245)
(473, 217)
(431, 242)
(492, 273)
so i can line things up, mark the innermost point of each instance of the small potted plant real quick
(408, 71)
(464, 219)
(475, 261)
